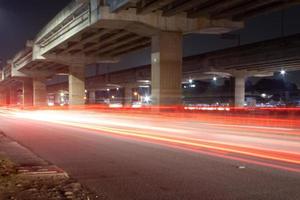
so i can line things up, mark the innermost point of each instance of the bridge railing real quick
(6, 72)
(23, 60)
(67, 19)
(1, 75)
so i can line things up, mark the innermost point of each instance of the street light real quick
(147, 99)
(263, 95)
(282, 72)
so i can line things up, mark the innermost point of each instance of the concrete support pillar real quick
(2, 98)
(7, 95)
(166, 68)
(39, 92)
(127, 96)
(92, 97)
(239, 91)
(13, 96)
(76, 85)
(27, 92)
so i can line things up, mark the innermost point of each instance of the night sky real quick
(21, 20)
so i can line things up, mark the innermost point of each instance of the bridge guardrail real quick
(25, 59)
(7, 72)
(72, 15)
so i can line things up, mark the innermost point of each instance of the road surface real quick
(128, 157)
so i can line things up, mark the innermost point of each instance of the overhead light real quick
(144, 81)
(135, 93)
(214, 78)
(282, 72)
(112, 97)
(117, 89)
(107, 89)
(147, 99)
(190, 80)
(144, 86)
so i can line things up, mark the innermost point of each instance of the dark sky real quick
(20, 20)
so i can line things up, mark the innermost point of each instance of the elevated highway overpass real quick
(97, 31)
(257, 59)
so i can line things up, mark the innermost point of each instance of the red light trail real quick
(271, 146)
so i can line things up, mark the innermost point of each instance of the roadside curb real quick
(50, 170)
(25, 159)
(28, 163)
(24, 175)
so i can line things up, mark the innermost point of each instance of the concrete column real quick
(166, 68)
(239, 91)
(92, 97)
(127, 96)
(27, 92)
(13, 96)
(2, 98)
(76, 85)
(7, 95)
(39, 92)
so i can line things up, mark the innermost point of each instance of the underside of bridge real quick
(256, 59)
(238, 10)
(106, 43)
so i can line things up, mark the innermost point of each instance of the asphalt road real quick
(127, 157)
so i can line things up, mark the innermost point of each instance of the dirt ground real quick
(15, 185)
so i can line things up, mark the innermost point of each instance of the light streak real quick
(163, 130)
(137, 131)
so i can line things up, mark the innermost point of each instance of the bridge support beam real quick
(2, 98)
(39, 92)
(27, 92)
(166, 68)
(92, 97)
(127, 96)
(13, 94)
(239, 90)
(76, 85)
